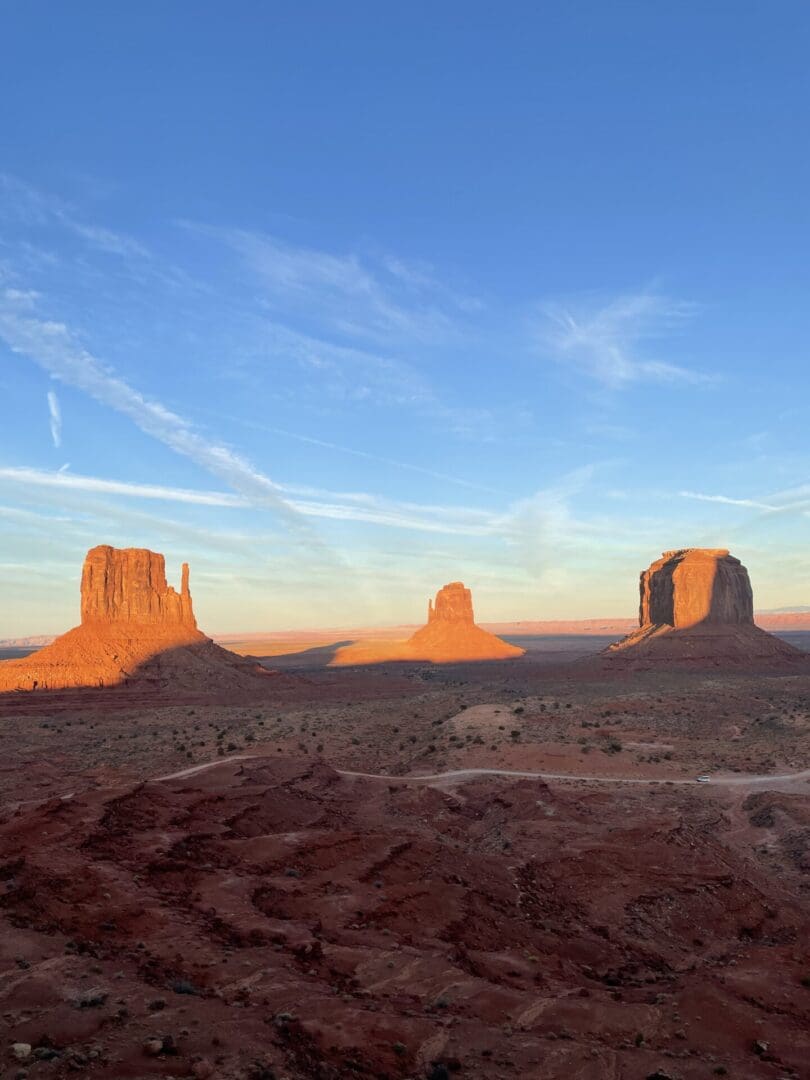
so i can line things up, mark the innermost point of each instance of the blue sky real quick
(341, 302)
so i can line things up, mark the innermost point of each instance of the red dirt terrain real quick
(268, 918)
(274, 917)
(419, 870)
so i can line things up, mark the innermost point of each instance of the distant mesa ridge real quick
(134, 626)
(697, 605)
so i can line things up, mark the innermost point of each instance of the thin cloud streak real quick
(311, 441)
(55, 413)
(749, 504)
(71, 481)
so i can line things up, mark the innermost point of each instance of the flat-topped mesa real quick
(453, 605)
(129, 585)
(696, 585)
(697, 610)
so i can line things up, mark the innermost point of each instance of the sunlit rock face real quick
(451, 633)
(129, 585)
(697, 609)
(453, 604)
(450, 636)
(134, 626)
(696, 585)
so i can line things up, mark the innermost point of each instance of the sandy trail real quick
(461, 775)
(469, 774)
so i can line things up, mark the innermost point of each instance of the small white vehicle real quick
(703, 779)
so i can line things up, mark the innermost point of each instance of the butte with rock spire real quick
(134, 627)
(450, 636)
(697, 609)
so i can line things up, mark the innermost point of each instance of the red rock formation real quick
(129, 584)
(453, 604)
(696, 585)
(697, 606)
(134, 626)
(450, 636)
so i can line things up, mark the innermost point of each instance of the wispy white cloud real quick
(421, 276)
(55, 414)
(351, 376)
(344, 372)
(54, 348)
(114, 243)
(34, 207)
(535, 526)
(347, 292)
(610, 341)
(309, 502)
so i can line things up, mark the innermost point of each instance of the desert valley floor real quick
(320, 879)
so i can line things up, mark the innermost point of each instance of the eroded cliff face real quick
(129, 585)
(696, 585)
(453, 605)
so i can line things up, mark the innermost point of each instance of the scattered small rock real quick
(45, 1053)
(92, 999)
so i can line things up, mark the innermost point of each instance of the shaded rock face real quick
(696, 585)
(129, 585)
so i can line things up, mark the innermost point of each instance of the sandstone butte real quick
(697, 607)
(134, 626)
(450, 636)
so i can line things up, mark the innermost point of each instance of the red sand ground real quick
(274, 918)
